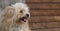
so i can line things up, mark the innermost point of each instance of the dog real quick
(15, 18)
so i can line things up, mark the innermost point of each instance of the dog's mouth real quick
(23, 19)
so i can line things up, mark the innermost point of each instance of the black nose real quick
(27, 15)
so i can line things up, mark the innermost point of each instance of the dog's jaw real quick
(21, 27)
(24, 19)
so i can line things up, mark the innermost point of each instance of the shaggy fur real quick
(10, 18)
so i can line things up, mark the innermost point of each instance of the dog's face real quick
(22, 14)
(18, 11)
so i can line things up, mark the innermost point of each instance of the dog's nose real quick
(27, 15)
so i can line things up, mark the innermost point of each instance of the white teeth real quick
(24, 19)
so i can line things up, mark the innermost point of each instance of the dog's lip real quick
(23, 19)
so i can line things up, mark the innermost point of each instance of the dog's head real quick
(18, 12)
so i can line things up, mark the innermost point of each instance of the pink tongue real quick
(24, 20)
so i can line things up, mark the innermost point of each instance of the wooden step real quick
(44, 6)
(53, 29)
(45, 25)
(45, 19)
(28, 1)
(45, 12)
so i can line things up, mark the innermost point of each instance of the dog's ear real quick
(9, 11)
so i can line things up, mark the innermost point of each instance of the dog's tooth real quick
(24, 20)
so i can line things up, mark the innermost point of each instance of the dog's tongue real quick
(24, 20)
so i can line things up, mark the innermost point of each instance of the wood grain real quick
(44, 6)
(45, 12)
(45, 15)
(53, 29)
(43, 1)
(49, 25)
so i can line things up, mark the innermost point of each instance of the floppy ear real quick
(9, 11)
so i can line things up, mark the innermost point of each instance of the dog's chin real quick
(24, 19)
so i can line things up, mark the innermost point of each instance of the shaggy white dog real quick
(15, 18)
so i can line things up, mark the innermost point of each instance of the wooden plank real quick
(45, 12)
(54, 29)
(44, 19)
(49, 25)
(44, 6)
(43, 1)
(33, 0)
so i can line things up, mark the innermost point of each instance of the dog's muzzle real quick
(25, 18)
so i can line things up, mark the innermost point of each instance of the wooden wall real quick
(45, 15)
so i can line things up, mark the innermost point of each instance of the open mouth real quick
(24, 19)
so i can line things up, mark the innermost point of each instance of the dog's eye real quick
(21, 11)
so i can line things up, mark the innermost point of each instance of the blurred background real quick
(45, 15)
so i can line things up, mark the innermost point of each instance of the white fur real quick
(10, 15)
